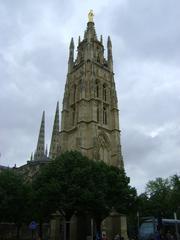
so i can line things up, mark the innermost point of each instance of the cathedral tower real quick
(90, 115)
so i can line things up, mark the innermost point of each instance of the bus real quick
(148, 229)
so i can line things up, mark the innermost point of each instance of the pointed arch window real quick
(73, 116)
(104, 115)
(98, 113)
(104, 92)
(80, 84)
(98, 58)
(74, 96)
(97, 89)
(80, 89)
(104, 148)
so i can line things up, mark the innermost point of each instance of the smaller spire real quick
(71, 56)
(55, 135)
(109, 54)
(101, 39)
(85, 34)
(79, 40)
(71, 44)
(109, 43)
(31, 158)
(39, 153)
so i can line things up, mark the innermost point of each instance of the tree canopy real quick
(161, 197)
(73, 183)
(14, 198)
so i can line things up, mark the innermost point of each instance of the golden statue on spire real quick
(90, 15)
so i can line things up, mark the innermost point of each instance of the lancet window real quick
(73, 115)
(104, 115)
(74, 96)
(104, 92)
(97, 113)
(97, 89)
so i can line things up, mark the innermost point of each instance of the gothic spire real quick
(71, 55)
(109, 54)
(101, 39)
(31, 158)
(79, 40)
(54, 139)
(109, 43)
(71, 47)
(39, 153)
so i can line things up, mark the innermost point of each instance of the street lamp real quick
(176, 226)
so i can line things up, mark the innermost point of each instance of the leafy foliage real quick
(73, 183)
(14, 195)
(14, 199)
(162, 197)
(70, 184)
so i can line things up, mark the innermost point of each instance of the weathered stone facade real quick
(90, 116)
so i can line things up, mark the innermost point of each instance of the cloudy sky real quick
(34, 41)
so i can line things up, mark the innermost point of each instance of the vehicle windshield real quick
(146, 228)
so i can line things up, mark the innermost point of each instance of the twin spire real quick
(41, 153)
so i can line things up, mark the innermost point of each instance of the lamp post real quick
(176, 226)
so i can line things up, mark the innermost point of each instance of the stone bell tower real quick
(90, 115)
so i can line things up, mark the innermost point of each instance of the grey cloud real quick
(137, 145)
(149, 93)
(149, 157)
(149, 29)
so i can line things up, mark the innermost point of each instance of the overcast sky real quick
(34, 42)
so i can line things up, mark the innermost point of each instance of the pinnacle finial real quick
(79, 40)
(109, 53)
(71, 43)
(31, 159)
(101, 39)
(90, 16)
(71, 55)
(109, 42)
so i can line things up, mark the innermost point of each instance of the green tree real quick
(156, 200)
(14, 198)
(175, 193)
(161, 198)
(74, 184)
(159, 193)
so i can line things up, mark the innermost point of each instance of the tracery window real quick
(104, 92)
(98, 58)
(104, 115)
(73, 115)
(104, 148)
(97, 89)
(74, 96)
(97, 113)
